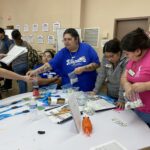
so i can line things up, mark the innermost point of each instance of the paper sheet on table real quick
(15, 52)
(101, 104)
(112, 145)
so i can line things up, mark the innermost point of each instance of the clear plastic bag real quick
(73, 78)
(135, 102)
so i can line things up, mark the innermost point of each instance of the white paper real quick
(56, 26)
(112, 145)
(40, 39)
(100, 104)
(13, 54)
(59, 114)
(26, 28)
(45, 27)
(30, 39)
(72, 100)
(18, 27)
(8, 33)
(35, 27)
(50, 39)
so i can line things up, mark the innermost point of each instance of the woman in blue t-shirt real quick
(78, 59)
(48, 77)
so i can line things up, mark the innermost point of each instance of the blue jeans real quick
(22, 70)
(144, 116)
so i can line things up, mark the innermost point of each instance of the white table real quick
(20, 132)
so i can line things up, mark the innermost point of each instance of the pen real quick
(105, 109)
(64, 120)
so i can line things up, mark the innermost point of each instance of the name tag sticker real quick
(131, 72)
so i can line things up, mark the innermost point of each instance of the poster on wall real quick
(45, 27)
(35, 27)
(18, 27)
(26, 28)
(50, 39)
(40, 39)
(30, 38)
(56, 25)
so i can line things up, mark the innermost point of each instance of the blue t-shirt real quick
(46, 75)
(66, 61)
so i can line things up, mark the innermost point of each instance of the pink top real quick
(141, 73)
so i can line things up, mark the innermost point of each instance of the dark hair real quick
(2, 30)
(73, 32)
(16, 34)
(136, 39)
(49, 51)
(112, 46)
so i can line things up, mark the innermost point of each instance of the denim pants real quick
(144, 116)
(21, 69)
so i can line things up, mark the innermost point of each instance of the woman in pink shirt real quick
(136, 79)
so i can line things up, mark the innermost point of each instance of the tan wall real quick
(101, 13)
(70, 13)
(40, 11)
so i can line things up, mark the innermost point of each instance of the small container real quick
(35, 86)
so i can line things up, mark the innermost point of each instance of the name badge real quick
(131, 72)
(108, 65)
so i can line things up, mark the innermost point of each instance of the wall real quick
(40, 11)
(101, 13)
(71, 13)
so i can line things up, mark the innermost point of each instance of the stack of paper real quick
(15, 52)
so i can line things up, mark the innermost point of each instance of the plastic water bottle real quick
(33, 108)
(35, 87)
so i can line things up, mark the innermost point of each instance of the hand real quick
(31, 73)
(58, 81)
(120, 105)
(79, 70)
(2, 55)
(27, 78)
(129, 92)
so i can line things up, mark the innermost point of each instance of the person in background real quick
(48, 77)
(77, 58)
(136, 78)
(5, 43)
(113, 65)
(20, 64)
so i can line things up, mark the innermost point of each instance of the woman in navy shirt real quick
(76, 57)
(48, 77)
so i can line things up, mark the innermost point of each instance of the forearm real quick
(147, 86)
(124, 82)
(44, 68)
(91, 67)
(100, 80)
(10, 75)
(121, 96)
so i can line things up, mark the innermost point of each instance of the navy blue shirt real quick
(66, 61)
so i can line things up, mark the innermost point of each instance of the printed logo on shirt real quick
(49, 74)
(138, 71)
(73, 61)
